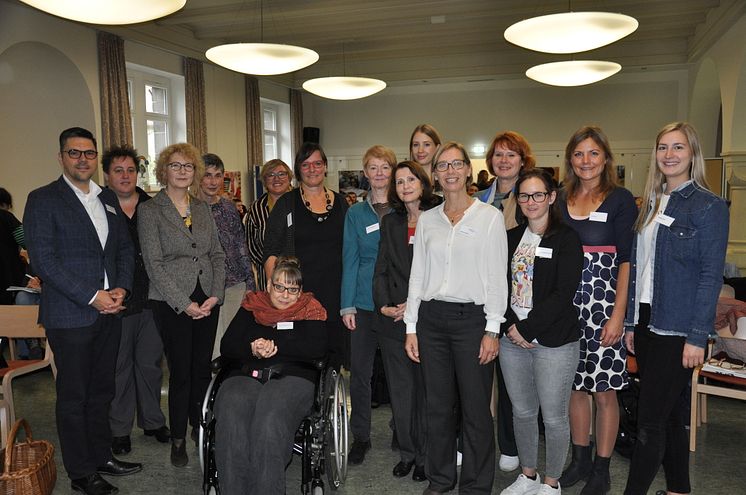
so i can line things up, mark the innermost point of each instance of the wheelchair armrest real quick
(217, 364)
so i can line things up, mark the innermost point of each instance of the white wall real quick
(629, 107)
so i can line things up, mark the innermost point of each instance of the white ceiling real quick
(403, 43)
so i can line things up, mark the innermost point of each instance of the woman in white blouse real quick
(454, 310)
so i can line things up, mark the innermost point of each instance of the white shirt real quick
(462, 263)
(96, 212)
(522, 270)
(645, 250)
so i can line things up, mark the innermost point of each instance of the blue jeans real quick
(540, 377)
(255, 429)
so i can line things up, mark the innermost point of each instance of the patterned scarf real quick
(306, 308)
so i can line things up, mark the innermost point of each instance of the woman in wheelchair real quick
(271, 343)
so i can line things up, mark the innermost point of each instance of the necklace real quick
(320, 217)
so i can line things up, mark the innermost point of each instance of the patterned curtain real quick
(194, 87)
(254, 137)
(116, 121)
(296, 119)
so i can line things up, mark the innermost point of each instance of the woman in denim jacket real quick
(677, 267)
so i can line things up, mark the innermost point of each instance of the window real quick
(158, 114)
(276, 130)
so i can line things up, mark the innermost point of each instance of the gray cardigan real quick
(176, 258)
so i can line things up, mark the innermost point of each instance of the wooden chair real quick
(706, 383)
(20, 322)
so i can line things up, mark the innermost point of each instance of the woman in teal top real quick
(359, 253)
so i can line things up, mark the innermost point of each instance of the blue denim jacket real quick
(687, 266)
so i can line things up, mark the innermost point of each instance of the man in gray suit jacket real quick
(78, 239)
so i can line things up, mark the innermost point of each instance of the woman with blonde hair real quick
(602, 214)
(678, 255)
(424, 143)
(186, 266)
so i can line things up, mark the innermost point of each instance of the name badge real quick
(284, 325)
(290, 219)
(664, 219)
(111, 209)
(543, 252)
(372, 228)
(411, 239)
(467, 231)
(598, 216)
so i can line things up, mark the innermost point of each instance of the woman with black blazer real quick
(410, 193)
(186, 266)
(539, 343)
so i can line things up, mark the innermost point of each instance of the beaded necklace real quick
(320, 217)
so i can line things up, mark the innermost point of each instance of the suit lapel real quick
(69, 196)
(171, 214)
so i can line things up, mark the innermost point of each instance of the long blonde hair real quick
(656, 179)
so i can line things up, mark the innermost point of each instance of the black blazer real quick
(67, 253)
(553, 321)
(391, 275)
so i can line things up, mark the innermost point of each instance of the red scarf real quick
(306, 307)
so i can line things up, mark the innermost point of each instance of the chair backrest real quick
(20, 322)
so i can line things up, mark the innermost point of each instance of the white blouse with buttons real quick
(461, 263)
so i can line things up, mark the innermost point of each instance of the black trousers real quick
(505, 433)
(86, 358)
(663, 411)
(188, 346)
(449, 336)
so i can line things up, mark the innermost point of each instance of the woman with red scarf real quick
(257, 414)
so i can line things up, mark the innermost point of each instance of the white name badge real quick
(664, 219)
(284, 325)
(290, 219)
(411, 239)
(543, 252)
(111, 209)
(372, 228)
(598, 216)
(467, 231)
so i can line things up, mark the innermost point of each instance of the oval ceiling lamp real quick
(262, 59)
(111, 12)
(573, 72)
(570, 32)
(343, 87)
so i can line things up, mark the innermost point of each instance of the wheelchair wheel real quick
(337, 430)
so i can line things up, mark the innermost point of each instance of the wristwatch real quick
(492, 335)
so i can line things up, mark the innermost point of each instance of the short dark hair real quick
(307, 149)
(428, 198)
(5, 198)
(118, 152)
(74, 132)
(213, 160)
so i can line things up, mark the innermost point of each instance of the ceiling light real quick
(573, 73)
(112, 12)
(570, 32)
(344, 88)
(263, 59)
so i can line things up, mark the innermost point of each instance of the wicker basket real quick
(29, 467)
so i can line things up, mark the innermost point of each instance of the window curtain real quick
(194, 88)
(296, 119)
(116, 121)
(254, 136)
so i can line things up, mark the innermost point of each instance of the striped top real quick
(256, 223)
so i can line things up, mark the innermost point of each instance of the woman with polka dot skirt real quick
(602, 214)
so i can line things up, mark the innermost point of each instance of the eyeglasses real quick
(176, 166)
(277, 175)
(316, 164)
(538, 197)
(281, 288)
(75, 154)
(455, 165)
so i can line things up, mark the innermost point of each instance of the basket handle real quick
(12, 440)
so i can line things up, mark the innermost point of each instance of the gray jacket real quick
(176, 258)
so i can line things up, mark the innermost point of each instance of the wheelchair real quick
(321, 441)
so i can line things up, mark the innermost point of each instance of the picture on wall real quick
(353, 185)
(232, 184)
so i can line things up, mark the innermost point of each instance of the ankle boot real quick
(580, 467)
(599, 482)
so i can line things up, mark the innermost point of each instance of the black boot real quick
(580, 467)
(599, 483)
